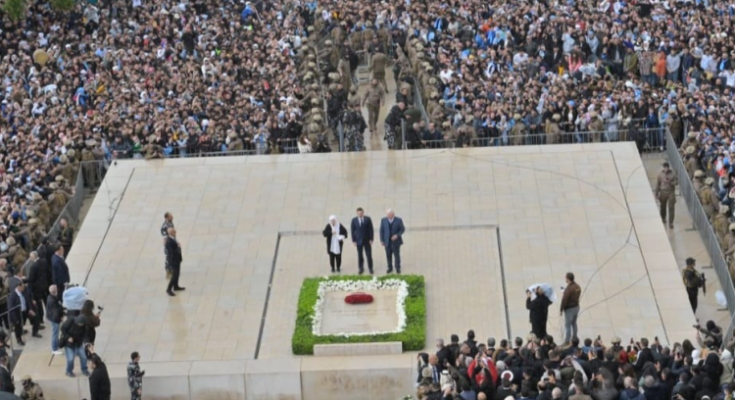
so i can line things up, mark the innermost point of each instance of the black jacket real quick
(54, 310)
(99, 382)
(328, 235)
(394, 117)
(539, 308)
(38, 279)
(173, 253)
(6, 381)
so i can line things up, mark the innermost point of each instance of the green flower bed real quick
(413, 336)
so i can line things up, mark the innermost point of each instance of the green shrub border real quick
(413, 337)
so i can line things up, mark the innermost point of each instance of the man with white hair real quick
(391, 238)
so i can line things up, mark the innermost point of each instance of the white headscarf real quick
(334, 244)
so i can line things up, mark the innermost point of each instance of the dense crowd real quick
(538, 368)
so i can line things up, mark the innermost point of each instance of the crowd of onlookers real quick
(539, 368)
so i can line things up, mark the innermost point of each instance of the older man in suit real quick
(362, 237)
(391, 237)
(173, 260)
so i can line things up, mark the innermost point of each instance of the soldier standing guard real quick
(665, 188)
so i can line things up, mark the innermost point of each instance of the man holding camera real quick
(693, 281)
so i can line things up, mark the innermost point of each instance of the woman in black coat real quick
(99, 380)
(539, 312)
(335, 233)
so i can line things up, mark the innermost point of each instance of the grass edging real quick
(413, 336)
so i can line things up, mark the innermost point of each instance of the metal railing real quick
(647, 137)
(704, 227)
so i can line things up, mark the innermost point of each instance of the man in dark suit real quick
(173, 260)
(38, 282)
(20, 308)
(59, 270)
(391, 237)
(362, 237)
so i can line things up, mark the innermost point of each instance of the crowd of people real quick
(539, 368)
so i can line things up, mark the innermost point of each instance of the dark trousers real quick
(173, 283)
(335, 259)
(39, 299)
(392, 251)
(368, 254)
(693, 294)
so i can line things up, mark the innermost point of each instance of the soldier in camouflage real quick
(353, 124)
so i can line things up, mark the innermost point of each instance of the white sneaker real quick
(57, 352)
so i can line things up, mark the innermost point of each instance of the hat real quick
(709, 181)
(469, 119)
(68, 142)
(26, 378)
(232, 135)
(434, 95)
(556, 117)
(732, 227)
(10, 241)
(690, 150)
(327, 42)
(616, 340)
(311, 64)
(317, 118)
(90, 143)
(516, 116)
(692, 135)
(71, 153)
(507, 374)
(59, 178)
(152, 138)
(446, 124)
(442, 101)
(724, 209)
(30, 213)
(53, 186)
(308, 76)
(33, 221)
(698, 173)
(419, 47)
(315, 101)
(63, 159)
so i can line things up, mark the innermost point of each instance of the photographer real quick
(93, 321)
(710, 336)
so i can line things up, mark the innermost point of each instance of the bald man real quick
(391, 238)
(173, 260)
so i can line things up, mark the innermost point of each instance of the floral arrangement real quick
(412, 333)
(330, 285)
(359, 298)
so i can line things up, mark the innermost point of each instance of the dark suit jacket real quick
(14, 312)
(99, 383)
(6, 381)
(173, 253)
(386, 231)
(362, 234)
(60, 272)
(327, 232)
(38, 281)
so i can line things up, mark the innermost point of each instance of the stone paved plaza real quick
(482, 225)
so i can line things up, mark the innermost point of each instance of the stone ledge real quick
(358, 349)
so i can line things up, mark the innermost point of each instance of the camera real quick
(100, 308)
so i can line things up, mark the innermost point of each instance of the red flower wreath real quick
(359, 298)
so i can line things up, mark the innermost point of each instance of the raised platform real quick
(483, 224)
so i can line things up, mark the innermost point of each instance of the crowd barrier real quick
(704, 227)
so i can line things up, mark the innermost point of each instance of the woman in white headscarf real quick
(335, 233)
